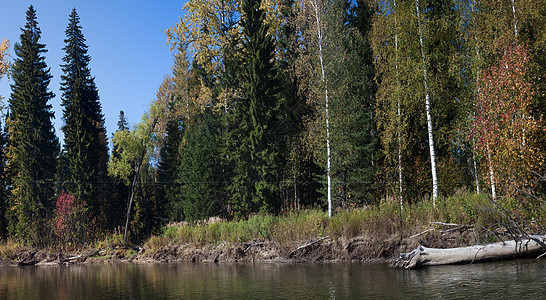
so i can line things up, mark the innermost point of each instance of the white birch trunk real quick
(491, 174)
(428, 112)
(315, 5)
(473, 139)
(400, 187)
(515, 19)
(476, 178)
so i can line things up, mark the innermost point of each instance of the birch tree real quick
(318, 16)
(427, 108)
(312, 25)
(506, 130)
(387, 34)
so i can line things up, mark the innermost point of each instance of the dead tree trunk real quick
(423, 256)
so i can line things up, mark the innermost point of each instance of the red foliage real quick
(504, 123)
(71, 218)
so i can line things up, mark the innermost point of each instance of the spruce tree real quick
(33, 146)
(84, 132)
(254, 143)
(122, 121)
(199, 172)
(356, 144)
(168, 168)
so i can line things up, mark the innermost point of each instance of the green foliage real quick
(131, 164)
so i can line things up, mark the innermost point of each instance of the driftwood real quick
(29, 260)
(77, 258)
(423, 256)
(29, 257)
(306, 245)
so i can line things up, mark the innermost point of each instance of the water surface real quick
(520, 279)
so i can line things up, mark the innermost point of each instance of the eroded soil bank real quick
(316, 250)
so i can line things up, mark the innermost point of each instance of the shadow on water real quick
(501, 280)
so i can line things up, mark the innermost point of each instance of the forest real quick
(275, 106)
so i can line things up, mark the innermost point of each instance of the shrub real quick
(71, 219)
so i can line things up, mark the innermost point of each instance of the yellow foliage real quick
(4, 61)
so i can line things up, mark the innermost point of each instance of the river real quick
(519, 279)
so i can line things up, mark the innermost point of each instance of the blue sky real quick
(127, 45)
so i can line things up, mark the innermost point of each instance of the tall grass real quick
(380, 221)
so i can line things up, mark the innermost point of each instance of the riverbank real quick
(370, 234)
(325, 249)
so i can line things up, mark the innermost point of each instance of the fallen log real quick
(423, 256)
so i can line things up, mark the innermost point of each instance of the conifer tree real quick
(254, 147)
(122, 121)
(33, 146)
(199, 172)
(84, 132)
(169, 162)
(356, 144)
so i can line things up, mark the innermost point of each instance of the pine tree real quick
(33, 146)
(253, 141)
(84, 132)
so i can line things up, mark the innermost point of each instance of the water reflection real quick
(522, 278)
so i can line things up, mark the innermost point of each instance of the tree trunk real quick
(315, 5)
(131, 197)
(428, 112)
(476, 178)
(423, 256)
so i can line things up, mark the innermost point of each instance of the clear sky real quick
(127, 45)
